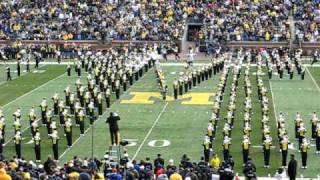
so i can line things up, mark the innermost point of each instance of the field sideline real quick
(172, 128)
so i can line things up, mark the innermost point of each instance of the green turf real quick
(293, 96)
(183, 125)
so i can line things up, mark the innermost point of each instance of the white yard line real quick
(150, 130)
(274, 105)
(28, 93)
(76, 141)
(314, 81)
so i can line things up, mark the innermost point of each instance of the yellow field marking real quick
(187, 99)
(141, 98)
(197, 98)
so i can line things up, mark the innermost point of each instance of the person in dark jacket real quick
(113, 127)
(292, 168)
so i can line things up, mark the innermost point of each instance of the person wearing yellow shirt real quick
(215, 161)
(3, 173)
(175, 176)
(73, 175)
(267, 36)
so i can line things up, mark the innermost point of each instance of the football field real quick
(171, 128)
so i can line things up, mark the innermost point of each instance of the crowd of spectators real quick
(307, 20)
(94, 20)
(247, 21)
(100, 169)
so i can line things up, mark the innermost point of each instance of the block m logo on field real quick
(193, 98)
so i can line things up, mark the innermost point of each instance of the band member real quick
(298, 121)
(112, 120)
(87, 98)
(17, 114)
(2, 128)
(49, 120)
(44, 108)
(72, 101)
(226, 146)
(314, 121)
(117, 86)
(181, 81)
(245, 149)
(206, 148)
(1, 141)
(34, 128)
(55, 142)
(32, 115)
(99, 101)
(68, 132)
(124, 82)
(63, 117)
(37, 146)
(67, 92)
(107, 97)
(81, 95)
(302, 133)
(186, 84)
(18, 68)
(284, 144)
(82, 116)
(61, 109)
(69, 70)
(175, 89)
(91, 112)
(267, 143)
(17, 141)
(318, 138)
(8, 73)
(17, 125)
(55, 99)
(304, 152)
(77, 108)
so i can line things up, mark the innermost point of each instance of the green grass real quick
(183, 125)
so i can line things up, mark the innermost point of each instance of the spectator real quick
(175, 176)
(281, 174)
(215, 161)
(3, 173)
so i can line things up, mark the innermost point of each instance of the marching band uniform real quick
(44, 108)
(55, 99)
(284, 144)
(17, 141)
(55, 144)
(267, 143)
(304, 152)
(68, 132)
(37, 146)
(226, 146)
(245, 149)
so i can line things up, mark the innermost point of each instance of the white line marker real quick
(26, 94)
(313, 79)
(150, 130)
(274, 105)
